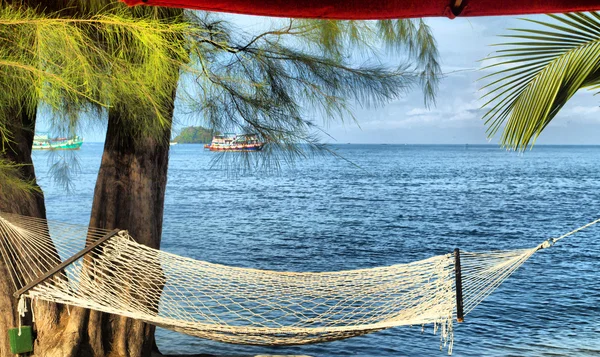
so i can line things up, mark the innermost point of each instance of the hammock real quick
(50, 261)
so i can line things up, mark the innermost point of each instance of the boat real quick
(173, 143)
(44, 142)
(235, 142)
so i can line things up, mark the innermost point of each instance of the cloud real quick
(457, 116)
(458, 111)
(418, 112)
(585, 110)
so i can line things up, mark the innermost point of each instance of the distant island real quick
(194, 135)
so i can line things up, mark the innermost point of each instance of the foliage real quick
(409, 38)
(125, 62)
(67, 66)
(60, 64)
(538, 73)
(277, 83)
(12, 186)
(108, 57)
(194, 135)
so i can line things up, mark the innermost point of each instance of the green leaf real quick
(543, 73)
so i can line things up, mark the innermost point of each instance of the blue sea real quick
(388, 204)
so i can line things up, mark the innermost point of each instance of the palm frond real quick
(538, 73)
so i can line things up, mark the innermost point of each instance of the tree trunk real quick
(19, 152)
(52, 326)
(129, 194)
(22, 124)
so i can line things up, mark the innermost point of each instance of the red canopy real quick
(379, 9)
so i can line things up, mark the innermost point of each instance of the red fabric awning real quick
(379, 9)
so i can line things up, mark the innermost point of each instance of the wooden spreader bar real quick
(66, 263)
(460, 314)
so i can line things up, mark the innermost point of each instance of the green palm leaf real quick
(538, 73)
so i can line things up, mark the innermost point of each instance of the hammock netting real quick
(239, 305)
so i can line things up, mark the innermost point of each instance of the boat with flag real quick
(44, 142)
(235, 142)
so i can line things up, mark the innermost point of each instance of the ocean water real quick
(397, 204)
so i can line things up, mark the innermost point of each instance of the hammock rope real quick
(241, 305)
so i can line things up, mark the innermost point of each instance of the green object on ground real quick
(23, 343)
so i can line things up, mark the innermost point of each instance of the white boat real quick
(235, 142)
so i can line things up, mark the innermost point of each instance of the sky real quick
(456, 117)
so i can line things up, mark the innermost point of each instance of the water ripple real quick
(405, 203)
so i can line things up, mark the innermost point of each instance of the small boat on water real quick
(173, 143)
(235, 142)
(43, 142)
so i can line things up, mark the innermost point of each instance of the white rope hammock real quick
(244, 306)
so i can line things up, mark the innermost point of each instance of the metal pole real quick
(460, 315)
(66, 263)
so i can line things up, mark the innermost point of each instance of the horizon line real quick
(387, 143)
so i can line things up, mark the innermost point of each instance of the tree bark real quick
(129, 194)
(22, 124)
(52, 326)
(19, 152)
